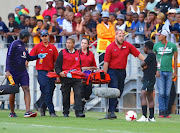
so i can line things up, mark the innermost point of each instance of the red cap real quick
(77, 15)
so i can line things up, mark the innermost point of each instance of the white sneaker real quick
(143, 119)
(152, 119)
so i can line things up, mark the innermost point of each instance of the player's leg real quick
(11, 103)
(24, 82)
(27, 99)
(151, 106)
(12, 96)
(143, 97)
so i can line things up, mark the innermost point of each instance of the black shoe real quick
(42, 112)
(79, 114)
(112, 115)
(66, 115)
(53, 115)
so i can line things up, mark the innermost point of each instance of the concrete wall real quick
(8, 6)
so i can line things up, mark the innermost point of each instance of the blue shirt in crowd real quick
(3, 27)
(134, 25)
(140, 28)
(176, 27)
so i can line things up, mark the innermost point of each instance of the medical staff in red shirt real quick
(88, 63)
(43, 66)
(68, 60)
(115, 62)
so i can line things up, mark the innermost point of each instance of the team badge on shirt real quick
(76, 58)
(24, 55)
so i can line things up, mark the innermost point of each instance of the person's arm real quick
(59, 63)
(93, 63)
(105, 67)
(64, 32)
(136, 53)
(54, 31)
(34, 55)
(128, 9)
(143, 64)
(175, 64)
(31, 58)
(55, 54)
(34, 32)
(153, 32)
(107, 59)
(141, 57)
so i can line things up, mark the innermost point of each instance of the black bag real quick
(8, 89)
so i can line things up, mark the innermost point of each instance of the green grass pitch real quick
(89, 124)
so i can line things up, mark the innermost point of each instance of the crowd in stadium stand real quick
(74, 17)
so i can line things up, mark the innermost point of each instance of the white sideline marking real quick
(88, 129)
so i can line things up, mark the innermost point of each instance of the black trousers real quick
(86, 91)
(76, 84)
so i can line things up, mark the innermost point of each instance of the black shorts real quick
(148, 85)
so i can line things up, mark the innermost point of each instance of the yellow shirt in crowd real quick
(105, 6)
(36, 39)
(40, 17)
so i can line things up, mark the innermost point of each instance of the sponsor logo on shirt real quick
(24, 55)
(19, 45)
(1, 91)
(76, 58)
(123, 47)
(168, 50)
(50, 49)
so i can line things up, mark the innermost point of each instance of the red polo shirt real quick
(88, 60)
(48, 62)
(117, 57)
(50, 12)
(119, 5)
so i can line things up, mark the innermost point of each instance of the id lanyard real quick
(159, 63)
(164, 50)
